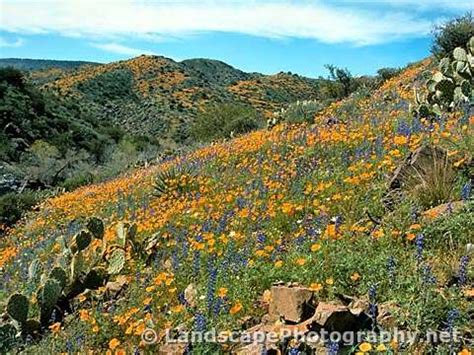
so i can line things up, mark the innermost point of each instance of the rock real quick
(292, 303)
(418, 162)
(113, 289)
(443, 209)
(173, 349)
(190, 295)
(335, 317)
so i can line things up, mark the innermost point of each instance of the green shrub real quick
(301, 111)
(224, 121)
(13, 205)
(451, 34)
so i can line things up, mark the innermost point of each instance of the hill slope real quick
(160, 96)
(294, 204)
(42, 64)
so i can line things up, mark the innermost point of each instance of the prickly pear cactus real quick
(17, 307)
(81, 241)
(451, 86)
(95, 278)
(96, 227)
(49, 296)
(34, 270)
(77, 266)
(59, 274)
(116, 261)
(121, 232)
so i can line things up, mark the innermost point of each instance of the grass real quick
(260, 211)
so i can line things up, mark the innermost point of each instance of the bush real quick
(452, 34)
(302, 111)
(13, 205)
(224, 121)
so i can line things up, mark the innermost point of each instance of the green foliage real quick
(34, 270)
(17, 307)
(13, 205)
(224, 121)
(301, 111)
(451, 86)
(346, 84)
(7, 337)
(452, 34)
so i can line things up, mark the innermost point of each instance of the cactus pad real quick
(81, 241)
(116, 261)
(17, 307)
(59, 275)
(96, 227)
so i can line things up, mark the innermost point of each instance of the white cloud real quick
(15, 44)
(274, 19)
(120, 49)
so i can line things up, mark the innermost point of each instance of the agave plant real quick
(177, 178)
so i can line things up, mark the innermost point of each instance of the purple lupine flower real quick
(211, 287)
(462, 274)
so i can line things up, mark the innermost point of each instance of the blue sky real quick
(263, 36)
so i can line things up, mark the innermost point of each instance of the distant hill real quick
(158, 95)
(40, 64)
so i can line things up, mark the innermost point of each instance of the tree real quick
(344, 77)
(451, 34)
(224, 121)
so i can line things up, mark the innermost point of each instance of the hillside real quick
(43, 64)
(301, 204)
(160, 96)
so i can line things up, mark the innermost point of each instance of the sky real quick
(254, 36)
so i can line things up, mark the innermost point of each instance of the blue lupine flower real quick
(333, 348)
(462, 275)
(211, 287)
(427, 275)
(466, 191)
(373, 308)
(453, 315)
(391, 268)
(200, 322)
(419, 247)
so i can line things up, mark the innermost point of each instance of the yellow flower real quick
(355, 276)
(114, 343)
(400, 140)
(55, 328)
(381, 347)
(315, 247)
(365, 347)
(329, 281)
(316, 287)
(222, 292)
(300, 261)
(236, 308)
(177, 309)
(278, 264)
(465, 352)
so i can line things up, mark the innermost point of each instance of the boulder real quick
(292, 303)
(335, 317)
